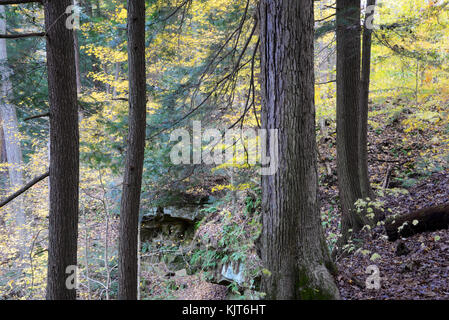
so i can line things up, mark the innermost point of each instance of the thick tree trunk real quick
(365, 185)
(64, 151)
(130, 203)
(293, 245)
(11, 135)
(348, 80)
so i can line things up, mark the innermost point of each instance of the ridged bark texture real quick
(64, 151)
(365, 184)
(293, 245)
(348, 81)
(130, 203)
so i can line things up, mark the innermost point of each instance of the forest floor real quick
(421, 273)
(413, 182)
(409, 171)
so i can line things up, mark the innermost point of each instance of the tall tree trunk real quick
(4, 179)
(293, 246)
(116, 78)
(130, 203)
(98, 8)
(64, 151)
(87, 4)
(364, 98)
(77, 57)
(10, 129)
(348, 81)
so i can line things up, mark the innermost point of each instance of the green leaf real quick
(375, 256)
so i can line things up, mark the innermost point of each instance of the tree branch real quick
(25, 188)
(321, 20)
(8, 2)
(37, 116)
(326, 82)
(23, 35)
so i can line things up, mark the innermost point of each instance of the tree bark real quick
(77, 57)
(365, 184)
(130, 202)
(348, 81)
(293, 244)
(64, 151)
(11, 134)
(21, 35)
(424, 220)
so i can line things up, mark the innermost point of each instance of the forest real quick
(224, 150)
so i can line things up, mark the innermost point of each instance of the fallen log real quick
(427, 219)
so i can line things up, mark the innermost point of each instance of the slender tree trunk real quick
(11, 134)
(98, 8)
(293, 245)
(86, 252)
(4, 179)
(348, 81)
(116, 78)
(64, 151)
(77, 57)
(106, 247)
(130, 203)
(104, 201)
(87, 7)
(364, 98)
(417, 82)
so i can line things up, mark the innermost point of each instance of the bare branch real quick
(23, 35)
(326, 82)
(37, 116)
(328, 17)
(8, 2)
(25, 188)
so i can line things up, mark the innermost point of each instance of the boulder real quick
(171, 222)
(232, 272)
